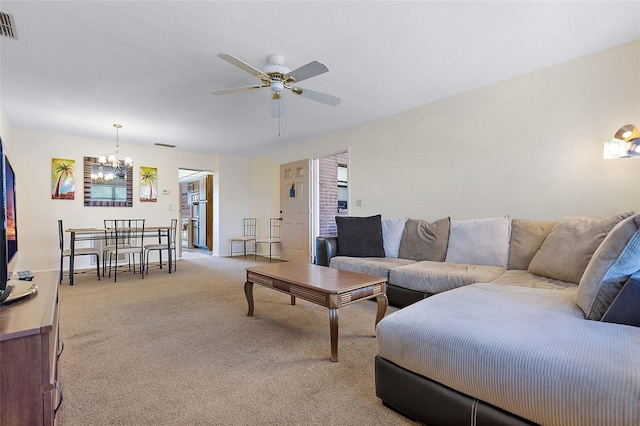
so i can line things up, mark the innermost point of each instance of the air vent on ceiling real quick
(8, 26)
(165, 145)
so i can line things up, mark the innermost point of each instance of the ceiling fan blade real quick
(316, 96)
(307, 71)
(243, 65)
(236, 90)
(277, 107)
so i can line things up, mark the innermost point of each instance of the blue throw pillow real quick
(360, 236)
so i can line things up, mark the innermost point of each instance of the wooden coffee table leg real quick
(383, 302)
(293, 300)
(333, 325)
(248, 292)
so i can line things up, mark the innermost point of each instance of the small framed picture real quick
(63, 179)
(148, 184)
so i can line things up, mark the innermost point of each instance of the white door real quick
(295, 209)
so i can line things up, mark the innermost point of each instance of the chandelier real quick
(119, 166)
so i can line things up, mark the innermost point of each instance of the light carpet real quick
(179, 349)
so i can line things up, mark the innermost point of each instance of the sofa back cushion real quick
(612, 264)
(422, 240)
(480, 241)
(392, 230)
(526, 238)
(565, 253)
(360, 236)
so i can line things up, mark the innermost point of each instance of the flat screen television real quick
(8, 225)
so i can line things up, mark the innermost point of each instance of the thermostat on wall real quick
(166, 192)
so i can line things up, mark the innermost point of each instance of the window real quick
(343, 187)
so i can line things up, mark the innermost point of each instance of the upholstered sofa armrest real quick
(625, 308)
(326, 248)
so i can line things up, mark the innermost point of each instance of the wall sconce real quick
(625, 143)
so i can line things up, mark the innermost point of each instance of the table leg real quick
(248, 292)
(383, 302)
(72, 257)
(333, 325)
(169, 248)
(293, 300)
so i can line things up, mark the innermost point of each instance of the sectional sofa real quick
(527, 322)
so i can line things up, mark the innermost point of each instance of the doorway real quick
(295, 207)
(312, 193)
(196, 211)
(331, 194)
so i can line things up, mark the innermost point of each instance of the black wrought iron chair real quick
(109, 241)
(78, 251)
(274, 236)
(249, 235)
(160, 246)
(129, 241)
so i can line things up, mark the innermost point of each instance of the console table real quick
(29, 350)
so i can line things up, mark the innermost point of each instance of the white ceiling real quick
(80, 66)
(188, 176)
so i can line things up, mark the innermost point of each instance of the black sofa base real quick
(401, 297)
(431, 403)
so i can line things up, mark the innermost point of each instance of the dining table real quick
(95, 234)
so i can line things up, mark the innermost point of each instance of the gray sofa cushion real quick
(422, 240)
(565, 253)
(527, 351)
(360, 236)
(435, 277)
(368, 265)
(617, 258)
(480, 241)
(522, 278)
(392, 230)
(526, 238)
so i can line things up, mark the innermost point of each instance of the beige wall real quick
(528, 147)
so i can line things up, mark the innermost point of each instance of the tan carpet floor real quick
(178, 349)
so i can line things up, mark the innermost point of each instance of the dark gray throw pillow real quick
(360, 236)
(422, 240)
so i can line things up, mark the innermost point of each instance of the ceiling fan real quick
(278, 78)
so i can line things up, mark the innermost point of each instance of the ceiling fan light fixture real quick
(277, 87)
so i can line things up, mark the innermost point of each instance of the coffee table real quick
(321, 285)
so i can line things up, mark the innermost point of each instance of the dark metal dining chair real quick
(160, 246)
(249, 235)
(274, 236)
(78, 251)
(129, 241)
(109, 241)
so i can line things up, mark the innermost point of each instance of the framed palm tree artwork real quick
(148, 184)
(63, 179)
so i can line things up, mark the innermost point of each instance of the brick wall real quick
(328, 196)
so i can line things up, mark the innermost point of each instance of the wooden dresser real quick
(29, 350)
